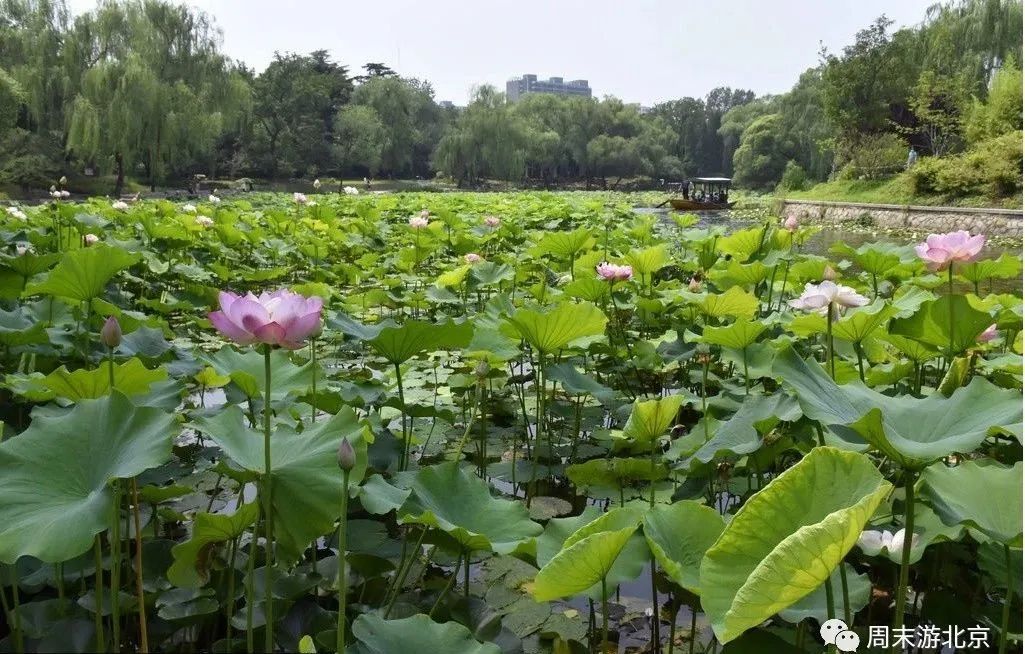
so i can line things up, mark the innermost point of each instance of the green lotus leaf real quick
(738, 335)
(576, 383)
(854, 327)
(587, 556)
(31, 264)
(743, 243)
(17, 328)
(1007, 266)
(981, 494)
(914, 432)
(613, 473)
(679, 535)
(130, 377)
(556, 328)
(565, 244)
(650, 420)
(734, 302)
(191, 567)
(590, 289)
(740, 274)
(306, 481)
(375, 635)
(83, 274)
(787, 538)
(398, 344)
(246, 369)
(931, 323)
(741, 434)
(454, 277)
(648, 261)
(488, 273)
(813, 605)
(459, 503)
(917, 351)
(55, 493)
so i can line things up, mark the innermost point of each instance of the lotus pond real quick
(501, 423)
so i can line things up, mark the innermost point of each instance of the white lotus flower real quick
(120, 205)
(418, 222)
(351, 190)
(90, 239)
(316, 183)
(828, 297)
(189, 208)
(873, 542)
(204, 221)
(300, 198)
(22, 248)
(213, 198)
(65, 195)
(15, 212)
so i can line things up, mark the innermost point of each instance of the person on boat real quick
(686, 189)
(725, 196)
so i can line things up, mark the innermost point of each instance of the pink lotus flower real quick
(694, 285)
(828, 297)
(611, 272)
(790, 224)
(425, 214)
(989, 334)
(89, 239)
(418, 222)
(280, 318)
(300, 198)
(492, 221)
(472, 258)
(942, 250)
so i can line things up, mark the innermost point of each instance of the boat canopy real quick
(712, 180)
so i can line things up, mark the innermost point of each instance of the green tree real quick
(410, 117)
(1001, 112)
(763, 154)
(359, 139)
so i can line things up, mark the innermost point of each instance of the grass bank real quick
(894, 190)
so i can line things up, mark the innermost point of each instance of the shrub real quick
(874, 156)
(992, 168)
(794, 177)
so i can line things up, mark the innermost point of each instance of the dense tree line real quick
(141, 88)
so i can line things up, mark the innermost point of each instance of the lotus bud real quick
(346, 455)
(695, 285)
(63, 180)
(90, 239)
(790, 224)
(828, 274)
(52, 188)
(110, 334)
(482, 369)
(316, 183)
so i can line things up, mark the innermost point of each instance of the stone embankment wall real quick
(1004, 223)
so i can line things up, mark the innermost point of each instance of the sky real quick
(643, 51)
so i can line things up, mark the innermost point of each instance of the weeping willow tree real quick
(31, 36)
(488, 140)
(154, 92)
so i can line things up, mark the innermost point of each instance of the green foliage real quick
(991, 168)
(794, 177)
(1001, 111)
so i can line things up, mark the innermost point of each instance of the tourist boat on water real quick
(703, 194)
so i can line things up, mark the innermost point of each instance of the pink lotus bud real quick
(90, 239)
(790, 224)
(346, 456)
(110, 334)
(472, 258)
(316, 183)
(492, 221)
(989, 334)
(695, 285)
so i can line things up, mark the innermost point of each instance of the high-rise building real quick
(521, 86)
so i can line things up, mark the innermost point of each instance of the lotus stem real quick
(675, 607)
(448, 586)
(230, 603)
(98, 559)
(268, 608)
(693, 628)
(905, 555)
(1005, 619)
(115, 569)
(143, 632)
(400, 577)
(950, 292)
(19, 639)
(604, 617)
(313, 360)
(847, 617)
(831, 365)
(250, 594)
(466, 577)
(342, 582)
(404, 459)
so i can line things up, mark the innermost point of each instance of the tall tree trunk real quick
(119, 184)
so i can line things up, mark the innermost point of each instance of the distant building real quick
(517, 88)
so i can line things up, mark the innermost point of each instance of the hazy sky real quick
(641, 51)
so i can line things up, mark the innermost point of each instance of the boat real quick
(700, 194)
